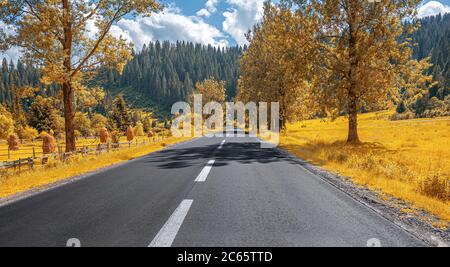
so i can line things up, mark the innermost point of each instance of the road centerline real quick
(205, 172)
(221, 144)
(169, 231)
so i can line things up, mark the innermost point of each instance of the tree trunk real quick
(353, 137)
(69, 115)
(282, 123)
(282, 114)
(352, 96)
(68, 93)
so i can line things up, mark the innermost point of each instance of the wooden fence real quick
(29, 163)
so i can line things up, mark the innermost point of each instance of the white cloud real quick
(432, 8)
(211, 5)
(168, 25)
(241, 18)
(210, 8)
(12, 53)
(203, 13)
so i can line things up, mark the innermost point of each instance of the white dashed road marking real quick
(204, 173)
(221, 144)
(169, 231)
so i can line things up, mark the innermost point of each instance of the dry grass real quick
(409, 160)
(57, 171)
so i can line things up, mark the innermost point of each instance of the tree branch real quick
(99, 40)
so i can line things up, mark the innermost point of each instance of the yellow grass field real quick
(409, 160)
(11, 184)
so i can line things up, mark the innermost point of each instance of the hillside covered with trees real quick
(165, 73)
(433, 40)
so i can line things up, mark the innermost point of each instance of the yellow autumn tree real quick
(361, 54)
(329, 57)
(55, 35)
(6, 123)
(211, 90)
(87, 98)
(139, 129)
(275, 66)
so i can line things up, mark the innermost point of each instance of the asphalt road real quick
(206, 192)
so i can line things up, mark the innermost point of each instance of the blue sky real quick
(216, 22)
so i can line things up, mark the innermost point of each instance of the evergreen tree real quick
(119, 116)
(42, 115)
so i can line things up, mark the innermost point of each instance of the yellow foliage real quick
(6, 123)
(275, 66)
(406, 159)
(139, 129)
(30, 133)
(324, 57)
(211, 90)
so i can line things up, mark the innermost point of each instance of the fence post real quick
(129, 144)
(30, 163)
(9, 153)
(20, 163)
(107, 147)
(34, 153)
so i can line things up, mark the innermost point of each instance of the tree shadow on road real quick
(243, 153)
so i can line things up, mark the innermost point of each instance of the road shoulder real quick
(418, 224)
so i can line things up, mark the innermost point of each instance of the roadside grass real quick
(56, 171)
(409, 160)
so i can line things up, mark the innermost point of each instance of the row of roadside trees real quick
(330, 58)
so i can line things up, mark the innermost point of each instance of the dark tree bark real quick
(353, 137)
(68, 93)
(69, 115)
